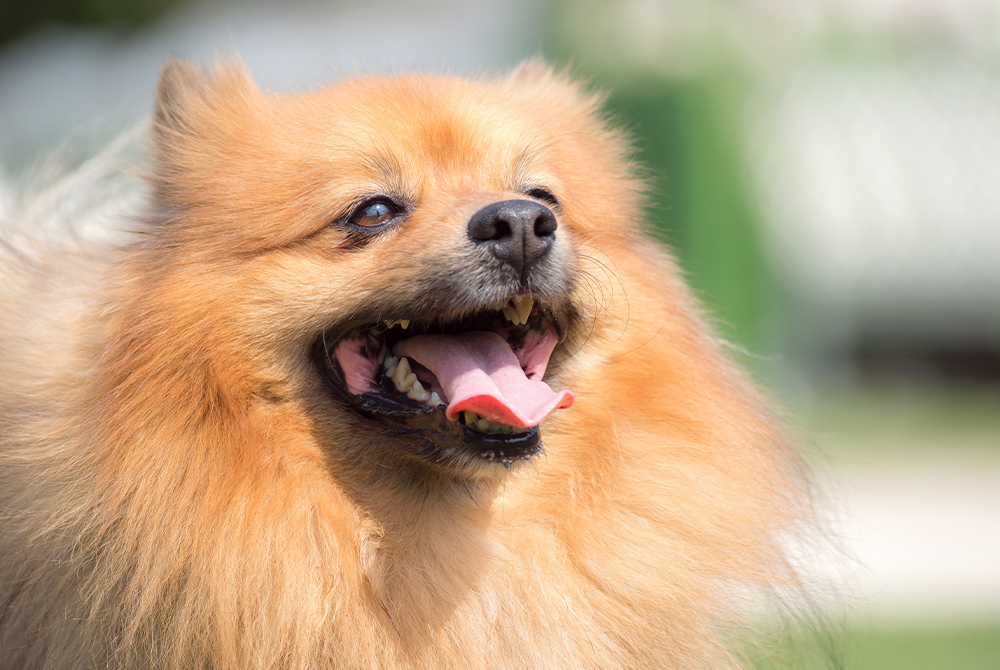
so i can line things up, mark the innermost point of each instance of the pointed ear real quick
(191, 102)
(198, 118)
(181, 84)
(532, 72)
(535, 80)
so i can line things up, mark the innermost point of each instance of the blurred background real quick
(828, 172)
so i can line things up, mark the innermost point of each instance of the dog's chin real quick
(418, 421)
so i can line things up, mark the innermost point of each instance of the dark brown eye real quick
(371, 217)
(373, 214)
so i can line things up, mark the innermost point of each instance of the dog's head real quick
(399, 255)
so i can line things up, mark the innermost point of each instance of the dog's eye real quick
(543, 194)
(373, 213)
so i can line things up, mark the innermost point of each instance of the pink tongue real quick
(479, 373)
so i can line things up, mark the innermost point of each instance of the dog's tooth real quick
(418, 392)
(510, 313)
(523, 305)
(389, 362)
(404, 377)
(473, 420)
(435, 399)
(405, 323)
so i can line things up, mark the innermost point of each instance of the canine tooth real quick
(435, 399)
(523, 305)
(404, 377)
(417, 392)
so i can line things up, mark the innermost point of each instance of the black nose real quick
(518, 232)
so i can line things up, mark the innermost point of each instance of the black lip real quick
(427, 430)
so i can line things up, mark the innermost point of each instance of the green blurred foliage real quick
(687, 133)
(898, 648)
(18, 17)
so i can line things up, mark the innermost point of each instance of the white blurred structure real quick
(926, 534)
(881, 190)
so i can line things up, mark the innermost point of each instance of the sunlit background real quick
(828, 172)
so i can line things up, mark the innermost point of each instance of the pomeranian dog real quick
(384, 375)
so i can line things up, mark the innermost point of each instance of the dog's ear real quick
(190, 99)
(535, 79)
(180, 83)
(531, 72)
(198, 118)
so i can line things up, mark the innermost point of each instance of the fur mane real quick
(164, 501)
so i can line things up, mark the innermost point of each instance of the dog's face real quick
(342, 238)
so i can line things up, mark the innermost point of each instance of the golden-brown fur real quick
(178, 489)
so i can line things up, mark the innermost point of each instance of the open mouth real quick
(473, 386)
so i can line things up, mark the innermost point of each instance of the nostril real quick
(545, 224)
(489, 227)
(501, 230)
